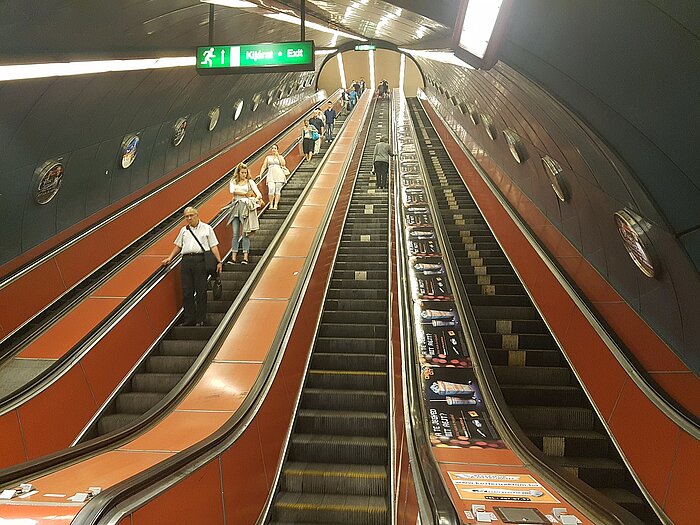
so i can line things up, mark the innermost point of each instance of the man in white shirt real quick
(193, 240)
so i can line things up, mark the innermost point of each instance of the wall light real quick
(372, 82)
(230, 3)
(439, 56)
(402, 71)
(65, 69)
(341, 70)
(479, 30)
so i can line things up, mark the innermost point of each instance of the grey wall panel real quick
(14, 195)
(99, 188)
(17, 98)
(71, 200)
(37, 220)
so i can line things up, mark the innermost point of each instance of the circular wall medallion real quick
(256, 102)
(214, 114)
(473, 114)
(47, 181)
(515, 146)
(237, 108)
(270, 97)
(556, 178)
(488, 124)
(179, 130)
(129, 150)
(636, 242)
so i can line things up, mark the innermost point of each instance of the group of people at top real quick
(318, 127)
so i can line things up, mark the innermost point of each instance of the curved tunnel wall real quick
(599, 185)
(82, 121)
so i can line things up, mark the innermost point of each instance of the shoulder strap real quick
(196, 239)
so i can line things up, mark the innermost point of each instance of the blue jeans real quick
(237, 233)
(329, 131)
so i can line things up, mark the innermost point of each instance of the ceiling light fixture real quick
(341, 71)
(439, 56)
(65, 69)
(282, 17)
(324, 51)
(479, 30)
(230, 3)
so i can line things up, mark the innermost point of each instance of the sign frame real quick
(285, 68)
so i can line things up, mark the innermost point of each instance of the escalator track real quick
(539, 387)
(336, 467)
(171, 359)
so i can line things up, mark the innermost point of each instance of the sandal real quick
(244, 261)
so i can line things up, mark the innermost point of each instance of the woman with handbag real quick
(308, 132)
(243, 217)
(276, 175)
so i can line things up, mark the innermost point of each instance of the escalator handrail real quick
(577, 492)
(61, 458)
(111, 504)
(435, 504)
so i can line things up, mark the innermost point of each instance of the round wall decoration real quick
(634, 239)
(214, 114)
(488, 124)
(256, 101)
(179, 130)
(556, 178)
(47, 181)
(515, 146)
(129, 150)
(237, 108)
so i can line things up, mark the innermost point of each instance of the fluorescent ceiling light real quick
(231, 3)
(440, 56)
(341, 70)
(402, 71)
(372, 83)
(312, 25)
(324, 51)
(479, 21)
(64, 69)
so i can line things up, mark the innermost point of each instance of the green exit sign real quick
(365, 47)
(256, 58)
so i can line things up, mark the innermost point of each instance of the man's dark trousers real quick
(194, 279)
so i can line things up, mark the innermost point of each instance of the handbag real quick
(217, 289)
(315, 135)
(210, 261)
(285, 169)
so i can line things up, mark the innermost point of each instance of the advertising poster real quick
(414, 196)
(456, 410)
(422, 241)
(477, 486)
(429, 279)
(418, 216)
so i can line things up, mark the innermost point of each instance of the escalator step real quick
(583, 443)
(181, 347)
(369, 305)
(339, 449)
(597, 472)
(163, 383)
(295, 507)
(352, 331)
(138, 402)
(347, 379)
(544, 395)
(532, 375)
(339, 399)
(341, 423)
(349, 361)
(350, 316)
(114, 422)
(360, 345)
(202, 333)
(571, 418)
(331, 478)
(169, 364)
(338, 293)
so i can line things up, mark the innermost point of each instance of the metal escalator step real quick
(368, 305)
(560, 442)
(522, 358)
(335, 422)
(368, 275)
(500, 300)
(572, 418)
(630, 501)
(349, 361)
(512, 326)
(544, 395)
(358, 316)
(138, 402)
(181, 347)
(597, 472)
(522, 341)
(163, 383)
(351, 331)
(514, 312)
(357, 293)
(191, 332)
(339, 449)
(339, 399)
(359, 284)
(529, 375)
(169, 364)
(295, 507)
(360, 345)
(114, 422)
(332, 478)
(345, 379)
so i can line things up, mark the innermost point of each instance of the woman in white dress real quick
(276, 175)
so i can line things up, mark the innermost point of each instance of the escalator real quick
(336, 465)
(180, 347)
(539, 387)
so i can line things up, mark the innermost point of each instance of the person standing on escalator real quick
(382, 153)
(194, 239)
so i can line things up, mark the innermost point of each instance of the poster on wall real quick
(47, 181)
(129, 150)
(418, 216)
(482, 486)
(429, 279)
(458, 416)
(422, 241)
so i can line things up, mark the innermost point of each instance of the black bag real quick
(217, 289)
(210, 261)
